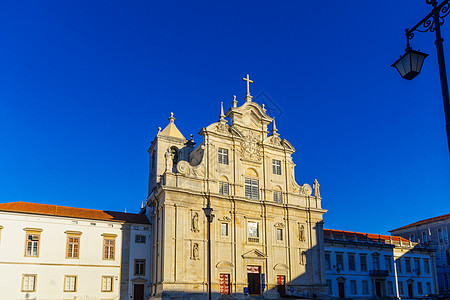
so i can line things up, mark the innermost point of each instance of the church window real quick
(140, 239)
(327, 261)
(32, 244)
(29, 283)
(279, 234)
(70, 283)
(224, 188)
(107, 283)
(363, 262)
(351, 262)
(251, 189)
(253, 232)
(408, 264)
(224, 229)
(108, 248)
(73, 246)
(340, 261)
(139, 267)
(223, 156)
(277, 196)
(276, 167)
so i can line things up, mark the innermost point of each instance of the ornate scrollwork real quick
(427, 25)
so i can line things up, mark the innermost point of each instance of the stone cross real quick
(248, 83)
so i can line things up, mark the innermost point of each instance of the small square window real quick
(223, 156)
(32, 244)
(108, 248)
(224, 188)
(29, 283)
(224, 229)
(276, 167)
(70, 283)
(107, 283)
(140, 239)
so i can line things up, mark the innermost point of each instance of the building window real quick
(224, 229)
(390, 288)
(140, 239)
(327, 261)
(330, 287)
(279, 234)
(253, 232)
(139, 267)
(400, 288)
(70, 283)
(223, 156)
(108, 248)
(412, 237)
(251, 189)
(408, 264)
(443, 260)
(107, 283)
(419, 288)
(224, 188)
(363, 262)
(365, 287)
(277, 196)
(417, 269)
(424, 237)
(428, 288)
(376, 262)
(426, 265)
(351, 262)
(340, 261)
(29, 283)
(446, 281)
(32, 244)
(445, 235)
(353, 290)
(387, 263)
(73, 246)
(398, 264)
(276, 167)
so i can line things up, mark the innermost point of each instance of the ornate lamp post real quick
(209, 217)
(410, 64)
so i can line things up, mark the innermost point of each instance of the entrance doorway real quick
(224, 284)
(254, 280)
(281, 285)
(341, 287)
(410, 290)
(378, 289)
(138, 292)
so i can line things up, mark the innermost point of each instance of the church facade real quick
(266, 233)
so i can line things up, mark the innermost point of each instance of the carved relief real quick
(222, 128)
(279, 225)
(306, 189)
(183, 167)
(275, 141)
(225, 219)
(302, 257)
(195, 252)
(250, 148)
(194, 222)
(301, 233)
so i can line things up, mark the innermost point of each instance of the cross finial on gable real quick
(248, 97)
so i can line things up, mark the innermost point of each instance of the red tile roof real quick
(73, 212)
(350, 235)
(423, 222)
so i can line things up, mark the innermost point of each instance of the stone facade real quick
(266, 231)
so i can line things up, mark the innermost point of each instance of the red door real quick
(224, 284)
(341, 290)
(138, 292)
(281, 285)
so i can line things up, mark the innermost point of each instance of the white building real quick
(56, 252)
(434, 233)
(371, 266)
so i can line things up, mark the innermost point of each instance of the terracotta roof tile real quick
(73, 212)
(438, 218)
(350, 235)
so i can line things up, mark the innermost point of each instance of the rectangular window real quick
(376, 262)
(251, 189)
(398, 264)
(424, 237)
(387, 263)
(224, 229)
(108, 248)
(419, 288)
(253, 232)
(340, 261)
(428, 288)
(276, 167)
(444, 234)
(365, 287)
(443, 258)
(330, 287)
(446, 281)
(107, 283)
(73, 246)
(279, 234)
(390, 288)
(70, 283)
(351, 262)
(447, 255)
(140, 239)
(408, 265)
(412, 237)
(441, 238)
(29, 283)
(353, 290)
(224, 188)
(32, 244)
(277, 196)
(400, 288)
(426, 265)
(327, 261)
(363, 262)
(223, 156)
(139, 267)
(417, 269)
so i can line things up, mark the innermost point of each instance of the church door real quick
(341, 290)
(138, 292)
(281, 285)
(254, 280)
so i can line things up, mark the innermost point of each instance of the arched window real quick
(174, 151)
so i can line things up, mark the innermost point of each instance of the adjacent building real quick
(372, 266)
(57, 252)
(266, 233)
(432, 232)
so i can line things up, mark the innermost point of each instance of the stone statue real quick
(195, 226)
(302, 257)
(195, 254)
(316, 188)
(301, 233)
(169, 161)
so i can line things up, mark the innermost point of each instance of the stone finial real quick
(263, 107)
(159, 130)
(125, 209)
(222, 115)
(142, 204)
(171, 118)
(234, 101)
(274, 128)
(191, 137)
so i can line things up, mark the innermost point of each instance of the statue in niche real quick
(169, 160)
(316, 188)
(195, 253)
(302, 257)
(195, 226)
(301, 233)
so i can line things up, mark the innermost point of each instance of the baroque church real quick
(266, 229)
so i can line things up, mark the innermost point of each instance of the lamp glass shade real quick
(208, 210)
(410, 64)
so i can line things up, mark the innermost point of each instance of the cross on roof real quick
(248, 83)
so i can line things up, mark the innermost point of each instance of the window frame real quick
(278, 197)
(327, 256)
(353, 287)
(279, 234)
(38, 243)
(140, 236)
(361, 260)
(276, 167)
(365, 287)
(142, 264)
(250, 238)
(75, 283)
(105, 253)
(68, 243)
(222, 156)
(408, 268)
(338, 263)
(224, 188)
(351, 266)
(34, 283)
(253, 185)
(222, 226)
(104, 278)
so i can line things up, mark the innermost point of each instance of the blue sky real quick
(85, 85)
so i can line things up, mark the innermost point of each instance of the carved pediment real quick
(280, 267)
(236, 132)
(224, 264)
(254, 253)
(287, 145)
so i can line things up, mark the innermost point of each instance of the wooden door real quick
(410, 290)
(138, 292)
(341, 290)
(281, 285)
(254, 280)
(224, 284)
(378, 289)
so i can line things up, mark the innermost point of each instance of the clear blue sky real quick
(84, 86)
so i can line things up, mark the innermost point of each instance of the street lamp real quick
(410, 64)
(209, 217)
